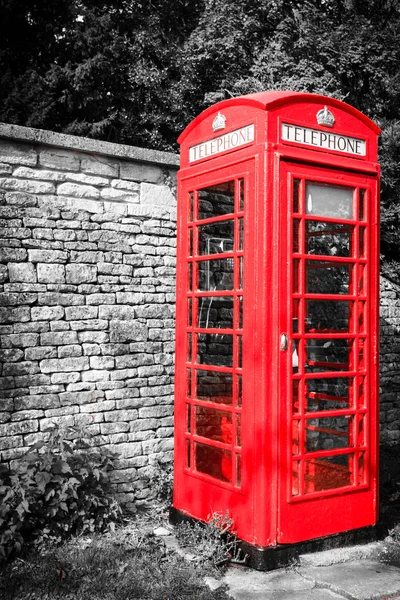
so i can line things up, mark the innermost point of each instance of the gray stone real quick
(50, 273)
(81, 312)
(72, 350)
(116, 312)
(93, 337)
(47, 313)
(55, 365)
(20, 340)
(81, 273)
(141, 172)
(22, 272)
(47, 256)
(27, 185)
(96, 375)
(102, 362)
(65, 378)
(97, 299)
(59, 338)
(60, 299)
(127, 331)
(40, 353)
(89, 324)
(100, 166)
(362, 580)
(59, 159)
(77, 190)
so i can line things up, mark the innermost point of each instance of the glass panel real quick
(213, 461)
(296, 195)
(188, 417)
(361, 279)
(361, 242)
(329, 201)
(238, 470)
(328, 239)
(328, 473)
(189, 348)
(215, 349)
(190, 276)
(190, 241)
(327, 316)
(327, 278)
(361, 392)
(240, 272)
(295, 438)
(295, 396)
(362, 476)
(191, 206)
(296, 478)
(190, 303)
(330, 393)
(296, 235)
(241, 194)
(215, 238)
(216, 312)
(216, 200)
(188, 454)
(361, 205)
(295, 320)
(239, 390)
(214, 386)
(329, 433)
(361, 354)
(188, 383)
(240, 304)
(327, 355)
(361, 317)
(296, 282)
(240, 235)
(361, 437)
(240, 351)
(238, 430)
(215, 275)
(214, 424)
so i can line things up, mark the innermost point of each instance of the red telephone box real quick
(276, 414)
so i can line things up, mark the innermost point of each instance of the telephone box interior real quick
(276, 380)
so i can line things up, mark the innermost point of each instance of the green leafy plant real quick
(213, 543)
(59, 488)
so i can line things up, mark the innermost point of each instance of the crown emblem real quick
(219, 122)
(325, 117)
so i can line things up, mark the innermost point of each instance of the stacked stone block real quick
(390, 363)
(87, 284)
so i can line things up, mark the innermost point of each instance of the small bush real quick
(59, 488)
(214, 543)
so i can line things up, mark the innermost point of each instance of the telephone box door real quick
(212, 414)
(328, 381)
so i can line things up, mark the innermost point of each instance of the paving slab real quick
(356, 580)
(340, 555)
(247, 584)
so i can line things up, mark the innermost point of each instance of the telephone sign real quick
(276, 380)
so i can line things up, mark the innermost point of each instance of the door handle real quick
(284, 342)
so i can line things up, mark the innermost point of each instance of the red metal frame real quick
(251, 476)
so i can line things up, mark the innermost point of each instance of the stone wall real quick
(390, 379)
(87, 284)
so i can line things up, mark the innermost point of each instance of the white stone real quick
(156, 195)
(78, 191)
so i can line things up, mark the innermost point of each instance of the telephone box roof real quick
(274, 99)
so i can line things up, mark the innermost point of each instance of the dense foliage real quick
(57, 489)
(137, 72)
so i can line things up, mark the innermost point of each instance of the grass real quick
(130, 563)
